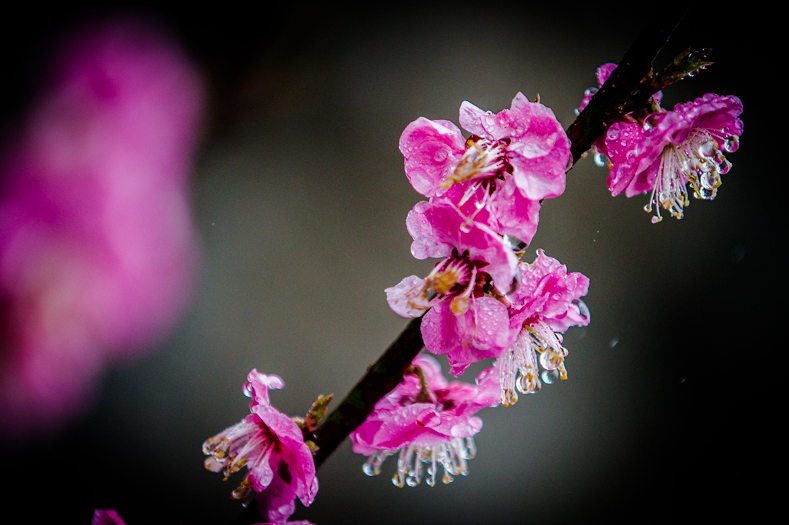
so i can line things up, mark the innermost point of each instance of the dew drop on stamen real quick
(707, 149)
(549, 376)
(732, 144)
(708, 181)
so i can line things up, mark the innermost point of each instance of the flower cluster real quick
(669, 153)
(479, 302)
(429, 420)
(96, 239)
(271, 446)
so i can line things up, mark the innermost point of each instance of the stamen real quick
(452, 455)
(697, 162)
(518, 366)
(482, 158)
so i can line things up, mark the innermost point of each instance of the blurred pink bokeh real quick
(97, 246)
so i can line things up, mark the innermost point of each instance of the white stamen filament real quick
(482, 158)
(518, 366)
(697, 162)
(453, 456)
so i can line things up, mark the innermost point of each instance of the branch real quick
(381, 378)
(626, 89)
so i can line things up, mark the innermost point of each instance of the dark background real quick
(300, 198)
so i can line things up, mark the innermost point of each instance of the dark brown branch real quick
(380, 379)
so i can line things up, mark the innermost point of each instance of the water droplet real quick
(583, 310)
(613, 342)
(707, 150)
(550, 376)
(550, 360)
(724, 167)
(247, 389)
(613, 133)
(708, 181)
(707, 194)
(732, 144)
(515, 243)
(600, 159)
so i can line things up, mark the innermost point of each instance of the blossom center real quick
(454, 279)
(483, 158)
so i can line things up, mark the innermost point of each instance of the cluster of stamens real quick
(519, 366)
(245, 443)
(697, 162)
(454, 277)
(482, 158)
(415, 463)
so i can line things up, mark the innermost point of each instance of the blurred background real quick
(298, 199)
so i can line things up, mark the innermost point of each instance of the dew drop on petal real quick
(583, 310)
(515, 243)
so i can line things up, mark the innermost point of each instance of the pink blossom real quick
(430, 420)
(673, 149)
(466, 318)
(546, 304)
(517, 157)
(106, 517)
(96, 241)
(300, 522)
(279, 464)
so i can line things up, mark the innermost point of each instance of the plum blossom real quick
(300, 522)
(279, 464)
(511, 162)
(466, 319)
(674, 149)
(429, 420)
(97, 246)
(546, 304)
(106, 517)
